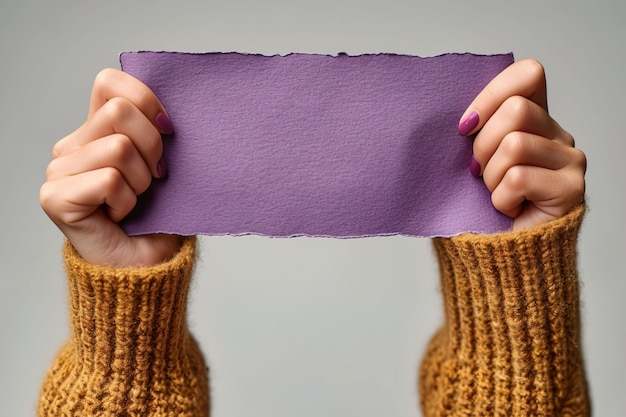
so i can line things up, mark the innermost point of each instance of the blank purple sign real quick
(315, 145)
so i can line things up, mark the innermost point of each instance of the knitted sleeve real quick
(130, 352)
(510, 344)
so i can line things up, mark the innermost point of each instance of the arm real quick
(130, 351)
(510, 344)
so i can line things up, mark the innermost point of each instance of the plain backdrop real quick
(302, 327)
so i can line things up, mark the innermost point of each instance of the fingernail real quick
(475, 167)
(164, 124)
(468, 124)
(161, 168)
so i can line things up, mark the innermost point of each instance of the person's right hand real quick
(98, 170)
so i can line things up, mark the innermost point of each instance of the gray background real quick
(303, 327)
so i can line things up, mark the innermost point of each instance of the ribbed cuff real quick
(130, 352)
(510, 344)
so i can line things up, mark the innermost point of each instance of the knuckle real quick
(568, 139)
(534, 69)
(516, 178)
(579, 159)
(118, 108)
(517, 106)
(514, 143)
(120, 147)
(57, 150)
(51, 170)
(46, 197)
(61, 147)
(111, 180)
(103, 79)
(51, 201)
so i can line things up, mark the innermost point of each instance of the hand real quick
(98, 170)
(528, 162)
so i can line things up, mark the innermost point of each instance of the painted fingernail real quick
(475, 167)
(161, 168)
(468, 124)
(164, 123)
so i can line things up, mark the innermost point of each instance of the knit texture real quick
(130, 352)
(510, 344)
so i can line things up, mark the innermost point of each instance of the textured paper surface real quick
(316, 145)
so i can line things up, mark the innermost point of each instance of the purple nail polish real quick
(161, 168)
(468, 124)
(475, 167)
(164, 124)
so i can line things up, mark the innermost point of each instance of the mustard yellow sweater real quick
(130, 352)
(509, 346)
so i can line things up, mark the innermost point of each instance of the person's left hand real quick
(528, 162)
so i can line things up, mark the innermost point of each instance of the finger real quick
(552, 191)
(521, 148)
(110, 83)
(516, 114)
(69, 201)
(525, 78)
(117, 151)
(117, 116)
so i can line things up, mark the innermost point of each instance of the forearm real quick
(130, 350)
(510, 344)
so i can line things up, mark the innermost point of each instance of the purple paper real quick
(316, 145)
